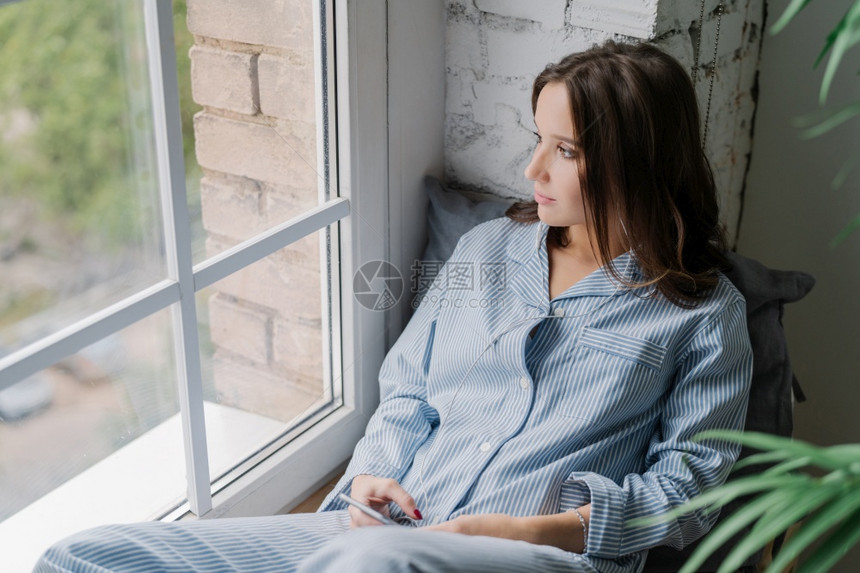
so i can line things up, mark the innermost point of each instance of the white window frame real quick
(390, 115)
(390, 74)
(281, 481)
(358, 67)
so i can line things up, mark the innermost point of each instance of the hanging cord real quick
(695, 71)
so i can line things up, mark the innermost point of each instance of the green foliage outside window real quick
(70, 72)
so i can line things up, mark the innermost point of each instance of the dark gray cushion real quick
(766, 292)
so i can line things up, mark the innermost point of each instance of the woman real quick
(524, 422)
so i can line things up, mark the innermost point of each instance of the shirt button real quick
(524, 383)
(485, 447)
(559, 312)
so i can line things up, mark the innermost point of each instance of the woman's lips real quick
(542, 199)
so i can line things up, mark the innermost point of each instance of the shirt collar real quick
(533, 240)
(531, 253)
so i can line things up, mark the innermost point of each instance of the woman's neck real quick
(570, 263)
(582, 246)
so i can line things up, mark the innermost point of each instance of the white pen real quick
(369, 511)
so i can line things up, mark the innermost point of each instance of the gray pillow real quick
(452, 213)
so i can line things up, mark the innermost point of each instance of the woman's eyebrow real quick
(568, 140)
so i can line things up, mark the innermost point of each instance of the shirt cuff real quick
(605, 525)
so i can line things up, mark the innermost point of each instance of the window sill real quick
(152, 468)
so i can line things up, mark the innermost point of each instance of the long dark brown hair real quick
(640, 160)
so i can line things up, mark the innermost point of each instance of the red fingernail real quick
(418, 514)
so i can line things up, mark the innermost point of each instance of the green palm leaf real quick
(788, 466)
(790, 12)
(846, 231)
(830, 514)
(775, 522)
(735, 523)
(722, 495)
(828, 458)
(846, 37)
(784, 497)
(820, 122)
(762, 458)
(834, 547)
(846, 169)
(831, 38)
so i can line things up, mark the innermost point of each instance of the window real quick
(172, 309)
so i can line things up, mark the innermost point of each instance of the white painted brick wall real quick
(550, 13)
(464, 46)
(678, 14)
(496, 48)
(501, 93)
(511, 52)
(732, 28)
(633, 18)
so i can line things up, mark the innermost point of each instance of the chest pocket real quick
(613, 377)
(638, 350)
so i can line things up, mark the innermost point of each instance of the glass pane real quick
(93, 439)
(80, 225)
(265, 342)
(256, 138)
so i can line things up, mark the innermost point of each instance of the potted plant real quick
(825, 502)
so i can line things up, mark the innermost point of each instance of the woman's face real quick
(553, 167)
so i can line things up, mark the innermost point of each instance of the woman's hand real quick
(378, 493)
(490, 525)
(562, 530)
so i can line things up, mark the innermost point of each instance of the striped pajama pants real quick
(299, 542)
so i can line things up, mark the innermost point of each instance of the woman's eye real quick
(566, 153)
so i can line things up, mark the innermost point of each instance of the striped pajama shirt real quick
(496, 399)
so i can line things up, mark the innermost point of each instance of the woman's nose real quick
(536, 169)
